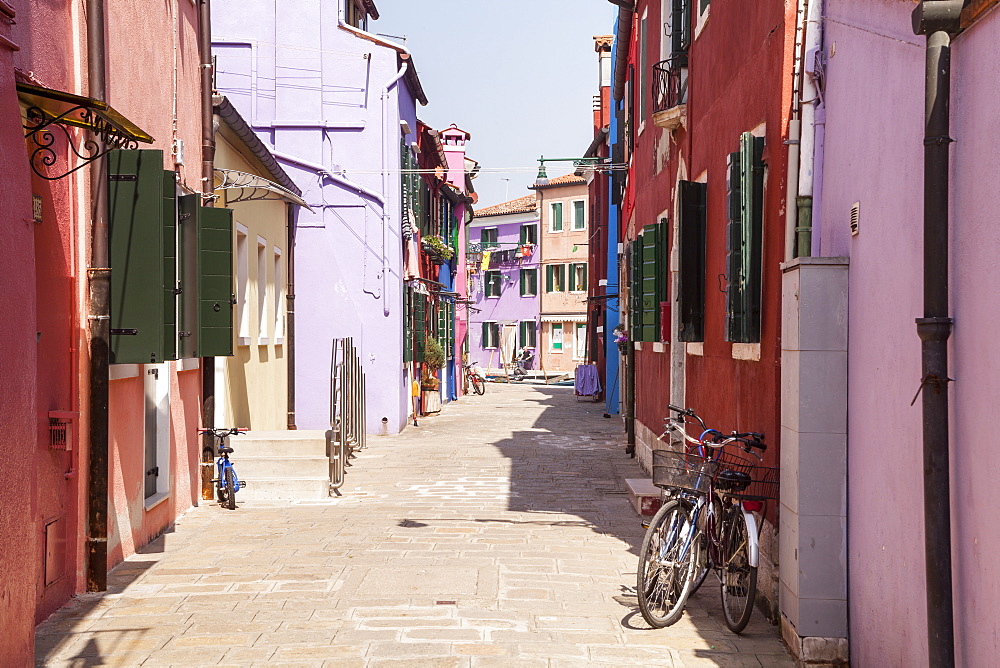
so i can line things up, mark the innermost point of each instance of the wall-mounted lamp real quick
(543, 179)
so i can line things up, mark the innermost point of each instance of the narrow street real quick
(497, 533)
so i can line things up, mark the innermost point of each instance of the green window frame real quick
(649, 256)
(529, 282)
(555, 278)
(492, 283)
(555, 216)
(527, 334)
(553, 343)
(691, 271)
(579, 214)
(491, 334)
(744, 241)
(488, 235)
(408, 324)
(419, 326)
(529, 234)
(578, 277)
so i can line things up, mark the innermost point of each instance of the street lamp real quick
(543, 179)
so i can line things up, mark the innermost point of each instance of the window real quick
(579, 215)
(691, 269)
(555, 278)
(491, 334)
(242, 278)
(488, 235)
(278, 294)
(578, 277)
(744, 240)
(703, 11)
(643, 91)
(556, 336)
(529, 234)
(580, 341)
(529, 282)
(527, 334)
(555, 217)
(356, 15)
(648, 284)
(680, 28)
(492, 283)
(262, 292)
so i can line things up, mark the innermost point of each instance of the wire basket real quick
(763, 480)
(679, 470)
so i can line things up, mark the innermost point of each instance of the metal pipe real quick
(934, 329)
(99, 319)
(208, 187)
(385, 181)
(290, 316)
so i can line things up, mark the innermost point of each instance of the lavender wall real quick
(510, 306)
(312, 89)
(875, 82)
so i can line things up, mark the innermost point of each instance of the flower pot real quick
(431, 401)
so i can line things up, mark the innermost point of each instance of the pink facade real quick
(873, 157)
(459, 170)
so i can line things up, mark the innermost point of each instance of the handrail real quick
(670, 83)
(348, 412)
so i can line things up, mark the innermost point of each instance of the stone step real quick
(644, 495)
(298, 443)
(288, 466)
(287, 489)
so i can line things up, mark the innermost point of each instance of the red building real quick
(702, 89)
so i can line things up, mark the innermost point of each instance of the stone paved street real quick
(497, 533)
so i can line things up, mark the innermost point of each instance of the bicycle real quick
(707, 523)
(227, 483)
(473, 378)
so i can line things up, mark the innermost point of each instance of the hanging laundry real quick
(486, 260)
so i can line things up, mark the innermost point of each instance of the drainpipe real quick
(385, 179)
(290, 315)
(810, 98)
(939, 21)
(208, 187)
(99, 319)
(794, 136)
(336, 178)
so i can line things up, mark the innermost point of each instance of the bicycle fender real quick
(752, 536)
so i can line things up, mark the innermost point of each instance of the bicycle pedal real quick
(645, 524)
(214, 480)
(243, 483)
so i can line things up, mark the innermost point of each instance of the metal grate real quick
(58, 434)
(855, 216)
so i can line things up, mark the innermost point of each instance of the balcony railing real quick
(670, 83)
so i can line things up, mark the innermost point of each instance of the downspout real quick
(794, 136)
(938, 20)
(385, 180)
(336, 178)
(809, 101)
(208, 187)
(290, 315)
(99, 319)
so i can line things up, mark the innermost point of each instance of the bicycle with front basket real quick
(226, 482)
(707, 523)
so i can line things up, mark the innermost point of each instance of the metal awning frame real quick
(49, 110)
(251, 187)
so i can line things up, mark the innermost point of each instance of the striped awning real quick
(565, 317)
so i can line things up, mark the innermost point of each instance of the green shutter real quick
(170, 294)
(649, 281)
(691, 272)
(561, 268)
(579, 212)
(524, 235)
(142, 246)
(734, 252)
(635, 290)
(744, 241)
(420, 326)
(408, 324)
(548, 278)
(215, 282)
(557, 216)
(450, 338)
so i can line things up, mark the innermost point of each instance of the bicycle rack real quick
(347, 409)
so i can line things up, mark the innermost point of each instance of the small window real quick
(491, 334)
(579, 215)
(277, 294)
(529, 282)
(556, 217)
(492, 283)
(529, 234)
(556, 336)
(580, 341)
(578, 277)
(555, 278)
(488, 235)
(242, 279)
(262, 292)
(527, 334)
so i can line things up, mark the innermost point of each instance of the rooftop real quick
(519, 205)
(561, 181)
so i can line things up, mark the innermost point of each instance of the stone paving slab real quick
(498, 533)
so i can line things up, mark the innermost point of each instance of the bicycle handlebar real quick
(221, 433)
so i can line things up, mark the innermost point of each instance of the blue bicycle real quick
(226, 483)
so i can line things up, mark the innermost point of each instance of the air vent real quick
(855, 216)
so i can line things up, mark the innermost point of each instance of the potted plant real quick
(436, 246)
(434, 360)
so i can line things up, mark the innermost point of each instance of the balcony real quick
(670, 93)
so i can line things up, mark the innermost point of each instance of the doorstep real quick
(644, 495)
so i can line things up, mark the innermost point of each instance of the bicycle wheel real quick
(478, 384)
(703, 564)
(230, 489)
(739, 578)
(664, 577)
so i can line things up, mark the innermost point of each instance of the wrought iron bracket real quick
(99, 137)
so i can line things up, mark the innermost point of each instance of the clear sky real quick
(519, 75)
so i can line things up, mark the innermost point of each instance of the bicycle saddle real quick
(225, 450)
(733, 481)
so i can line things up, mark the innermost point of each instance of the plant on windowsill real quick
(436, 246)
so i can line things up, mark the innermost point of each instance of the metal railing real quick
(670, 83)
(347, 409)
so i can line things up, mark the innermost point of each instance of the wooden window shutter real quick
(752, 168)
(548, 278)
(735, 315)
(649, 280)
(215, 282)
(408, 324)
(143, 252)
(635, 294)
(561, 269)
(419, 326)
(691, 272)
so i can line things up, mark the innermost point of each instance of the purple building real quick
(336, 105)
(503, 282)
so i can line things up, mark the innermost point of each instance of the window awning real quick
(48, 109)
(565, 317)
(252, 187)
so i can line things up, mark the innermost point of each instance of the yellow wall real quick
(256, 377)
